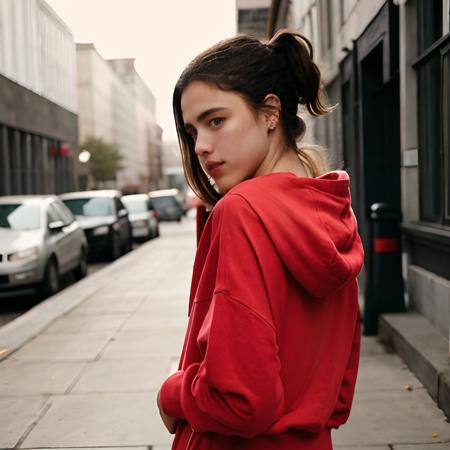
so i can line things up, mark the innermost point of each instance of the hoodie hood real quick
(312, 226)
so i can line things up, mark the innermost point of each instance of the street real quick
(13, 306)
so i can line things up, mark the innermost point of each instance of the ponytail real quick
(298, 52)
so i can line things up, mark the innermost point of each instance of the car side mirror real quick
(56, 225)
(123, 212)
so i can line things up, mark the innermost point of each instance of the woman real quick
(271, 351)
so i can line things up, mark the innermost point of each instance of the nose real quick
(202, 145)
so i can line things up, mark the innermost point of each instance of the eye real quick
(216, 122)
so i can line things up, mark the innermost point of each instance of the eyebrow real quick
(206, 113)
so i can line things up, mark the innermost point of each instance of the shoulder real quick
(254, 193)
(234, 215)
(256, 188)
(232, 206)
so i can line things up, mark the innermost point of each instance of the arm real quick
(236, 389)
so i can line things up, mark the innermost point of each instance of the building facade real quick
(386, 64)
(252, 17)
(173, 167)
(38, 101)
(117, 106)
(149, 133)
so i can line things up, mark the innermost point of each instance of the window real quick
(433, 82)
(64, 212)
(52, 214)
(119, 205)
(20, 216)
(96, 206)
(253, 21)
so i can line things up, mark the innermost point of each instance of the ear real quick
(271, 110)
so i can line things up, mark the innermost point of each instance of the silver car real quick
(143, 216)
(39, 241)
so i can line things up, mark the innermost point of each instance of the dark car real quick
(167, 204)
(104, 219)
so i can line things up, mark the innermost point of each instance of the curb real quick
(19, 331)
(424, 351)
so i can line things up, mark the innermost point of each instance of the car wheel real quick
(50, 283)
(115, 247)
(82, 269)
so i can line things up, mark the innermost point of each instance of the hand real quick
(169, 422)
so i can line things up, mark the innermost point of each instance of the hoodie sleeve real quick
(236, 389)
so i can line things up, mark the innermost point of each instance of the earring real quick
(272, 124)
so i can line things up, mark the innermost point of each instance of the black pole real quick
(384, 289)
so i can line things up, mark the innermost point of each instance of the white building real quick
(148, 133)
(38, 123)
(37, 51)
(173, 166)
(117, 106)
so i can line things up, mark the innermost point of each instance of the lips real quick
(212, 167)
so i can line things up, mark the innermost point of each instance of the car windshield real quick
(135, 206)
(96, 206)
(20, 216)
(163, 202)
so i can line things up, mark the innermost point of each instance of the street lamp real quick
(83, 179)
(84, 156)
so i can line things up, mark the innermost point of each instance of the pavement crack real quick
(33, 424)
(76, 379)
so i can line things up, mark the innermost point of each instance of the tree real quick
(105, 159)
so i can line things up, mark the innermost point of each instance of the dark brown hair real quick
(284, 67)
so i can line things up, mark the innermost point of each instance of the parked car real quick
(39, 241)
(167, 204)
(143, 216)
(104, 219)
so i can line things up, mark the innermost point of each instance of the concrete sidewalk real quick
(89, 378)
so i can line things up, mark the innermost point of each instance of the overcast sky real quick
(162, 35)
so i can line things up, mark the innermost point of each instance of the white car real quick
(143, 216)
(39, 241)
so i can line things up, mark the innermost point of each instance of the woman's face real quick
(231, 141)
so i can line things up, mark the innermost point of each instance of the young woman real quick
(271, 351)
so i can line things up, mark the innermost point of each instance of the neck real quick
(281, 158)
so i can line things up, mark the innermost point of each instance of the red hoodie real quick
(272, 347)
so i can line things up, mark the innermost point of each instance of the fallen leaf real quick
(4, 351)
(434, 435)
(408, 387)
